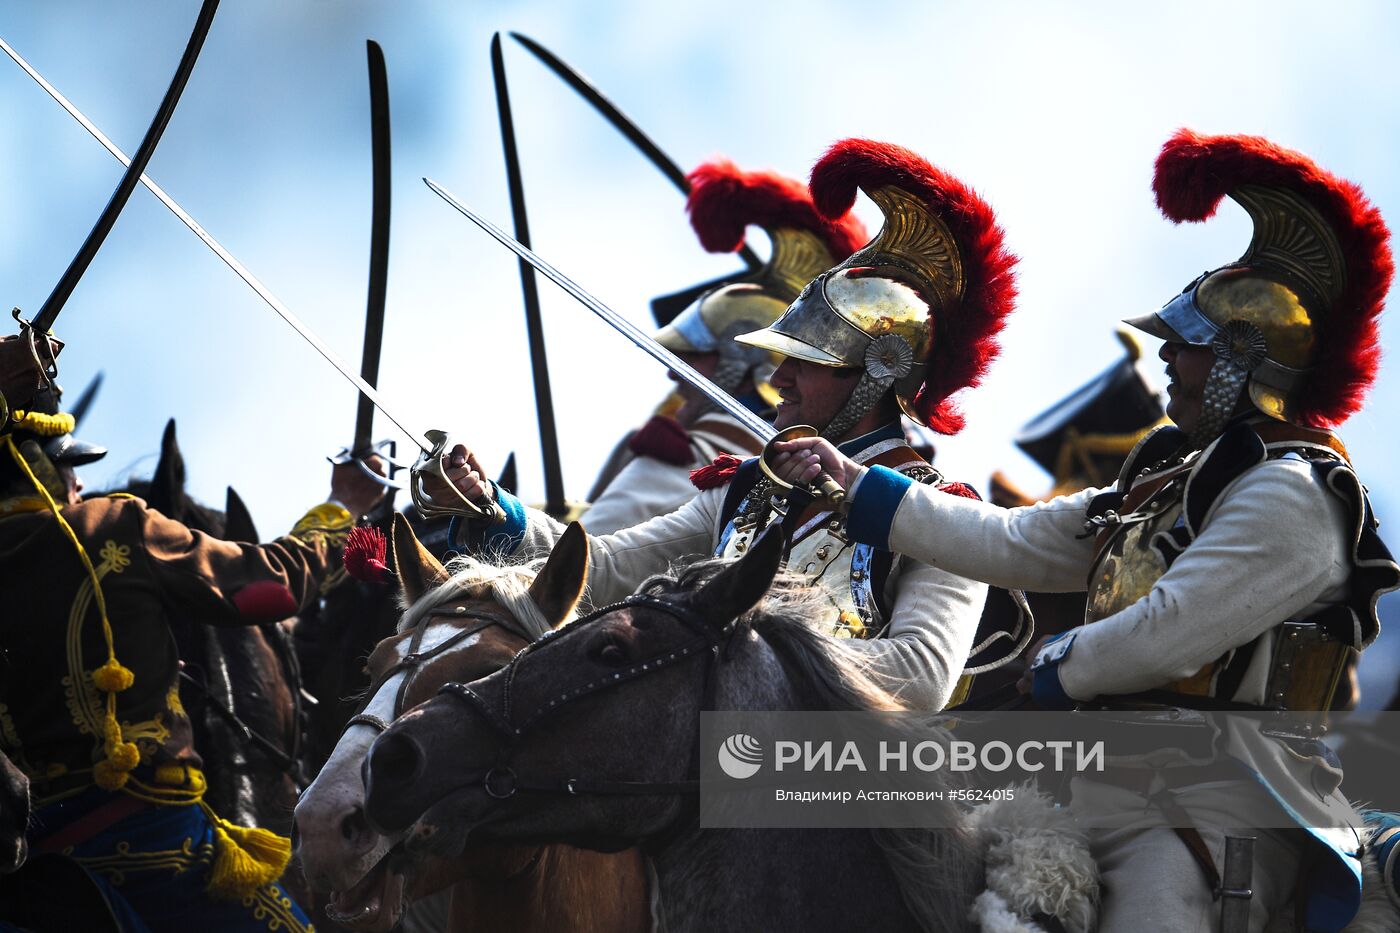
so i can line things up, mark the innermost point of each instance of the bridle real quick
(415, 658)
(503, 714)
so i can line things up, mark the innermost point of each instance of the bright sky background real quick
(1054, 111)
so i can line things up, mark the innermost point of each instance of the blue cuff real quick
(1046, 689)
(876, 500)
(1385, 846)
(491, 541)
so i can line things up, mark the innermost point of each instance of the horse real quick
(608, 708)
(14, 816)
(240, 685)
(462, 625)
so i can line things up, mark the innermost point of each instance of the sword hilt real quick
(823, 487)
(386, 450)
(434, 463)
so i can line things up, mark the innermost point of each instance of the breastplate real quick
(822, 557)
(1128, 566)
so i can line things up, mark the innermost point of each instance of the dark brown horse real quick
(14, 815)
(464, 625)
(240, 685)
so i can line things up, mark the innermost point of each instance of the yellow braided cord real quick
(44, 425)
(112, 677)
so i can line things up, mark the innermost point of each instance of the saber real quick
(43, 321)
(433, 444)
(665, 308)
(379, 239)
(827, 488)
(362, 446)
(554, 503)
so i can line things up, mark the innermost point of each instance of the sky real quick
(1053, 111)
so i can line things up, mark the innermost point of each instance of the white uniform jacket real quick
(933, 613)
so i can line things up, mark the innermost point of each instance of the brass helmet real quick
(919, 307)
(725, 200)
(1294, 320)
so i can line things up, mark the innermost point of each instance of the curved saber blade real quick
(43, 321)
(418, 437)
(554, 503)
(642, 340)
(621, 122)
(378, 242)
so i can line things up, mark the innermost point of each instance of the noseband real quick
(502, 782)
(414, 659)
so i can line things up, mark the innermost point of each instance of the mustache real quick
(1171, 373)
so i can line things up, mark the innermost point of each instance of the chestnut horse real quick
(459, 626)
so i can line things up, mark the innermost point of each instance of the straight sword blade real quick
(554, 503)
(620, 122)
(760, 428)
(378, 244)
(43, 321)
(418, 437)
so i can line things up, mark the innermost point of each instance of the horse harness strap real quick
(414, 658)
(501, 781)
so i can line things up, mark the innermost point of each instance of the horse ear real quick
(238, 521)
(168, 482)
(737, 588)
(559, 586)
(418, 570)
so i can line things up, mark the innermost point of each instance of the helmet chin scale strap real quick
(887, 359)
(1239, 348)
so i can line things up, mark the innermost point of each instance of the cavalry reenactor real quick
(900, 326)
(723, 201)
(89, 699)
(1235, 563)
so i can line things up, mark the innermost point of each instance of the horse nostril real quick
(296, 835)
(354, 825)
(395, 759)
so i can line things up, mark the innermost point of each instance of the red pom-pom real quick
(662, 438)
(265, 601)
(366, 555)
(1194, 172)
(959, 489)
(965, 337)
(725, 199)
(716, 474)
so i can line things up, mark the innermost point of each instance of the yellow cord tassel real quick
(244, 859)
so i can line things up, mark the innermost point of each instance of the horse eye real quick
(613, 654)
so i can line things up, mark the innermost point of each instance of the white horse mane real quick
(508, 584)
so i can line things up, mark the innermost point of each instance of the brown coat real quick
(150, 568)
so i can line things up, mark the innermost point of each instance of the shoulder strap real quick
(1155, 446)
(743, 480)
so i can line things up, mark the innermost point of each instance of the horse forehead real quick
(436, 627)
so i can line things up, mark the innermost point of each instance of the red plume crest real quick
(724, 200)
(1194, 172)
(964, 338)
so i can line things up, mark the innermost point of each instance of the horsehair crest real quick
(508, 584)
